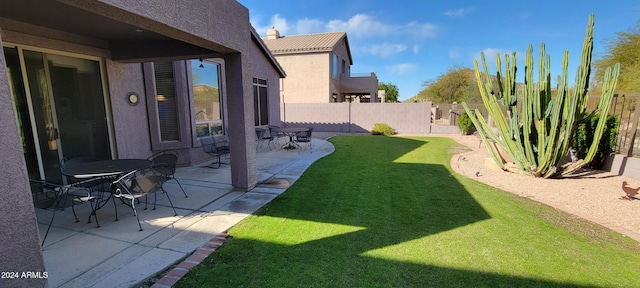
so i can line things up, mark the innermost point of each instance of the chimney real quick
(273, 33)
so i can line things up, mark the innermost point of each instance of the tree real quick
(622, 49)
(390, 90)
(456, 85)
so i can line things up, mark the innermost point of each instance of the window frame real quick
(255, 83)
(182, 106)
(221, 85)
(334, 65)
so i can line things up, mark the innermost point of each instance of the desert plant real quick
(382, 129)
(584, 136)
(535, 129)
(465, 124)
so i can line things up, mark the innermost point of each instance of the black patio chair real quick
(215, 149)
(165, 163)
(58, 195)
(98, 188)
(277, 134)
(137, 184)
(263, 135)
(304, 137)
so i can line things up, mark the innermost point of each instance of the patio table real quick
(291, 132)
(107, 170)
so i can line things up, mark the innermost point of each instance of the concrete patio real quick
(116, 254)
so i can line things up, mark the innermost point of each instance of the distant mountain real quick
(205, 92)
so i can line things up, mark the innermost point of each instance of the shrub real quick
(583, 137)
(465, 124)
(382, 129)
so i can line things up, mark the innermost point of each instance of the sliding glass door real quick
(60, 105)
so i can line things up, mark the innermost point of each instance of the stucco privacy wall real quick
(405, 118)
(20, 249)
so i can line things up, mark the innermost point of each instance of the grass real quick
(389, 212)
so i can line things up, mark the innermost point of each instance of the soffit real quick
(127, 42)
(63, 17)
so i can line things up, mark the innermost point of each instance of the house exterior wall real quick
(343, 54)
(308, 78)
(260, 68)
(132, 140)
(16, 208)
(405, 118)
(187, 21)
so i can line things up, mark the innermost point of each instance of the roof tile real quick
(322, 42)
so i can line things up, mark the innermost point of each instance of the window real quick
(344, 67)
(334, 66)
(261, 101)
(206, 98)
(167, 104)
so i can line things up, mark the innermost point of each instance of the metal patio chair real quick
(137, 184)
(304, 137)
(263, 135)
(277, 134)
(57, 196)
(165, 163)
(98, 188)
(215, 149)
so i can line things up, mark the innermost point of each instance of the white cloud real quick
(403, 68)
(358, 28)
(384, 49)
(360, 25)
(462, 12)
(309, 26)
(280, 24)
(276, 21)
(425, 30)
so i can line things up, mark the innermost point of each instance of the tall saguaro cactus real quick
(533, 127)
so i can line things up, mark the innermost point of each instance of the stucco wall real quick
(20, 249)
(307, 78)
(130, 123)
(405, 118)
(321, 116)
(213, 24)
(261, 68)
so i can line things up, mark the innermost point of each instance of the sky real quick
(409, 42)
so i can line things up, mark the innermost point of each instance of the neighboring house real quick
(116, 79)
(319, 69)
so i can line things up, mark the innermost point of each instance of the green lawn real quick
(387, 212)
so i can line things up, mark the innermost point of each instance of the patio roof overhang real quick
(127, 36)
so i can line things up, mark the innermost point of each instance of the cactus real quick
(533, 128)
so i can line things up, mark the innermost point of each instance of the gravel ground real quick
(591, 194)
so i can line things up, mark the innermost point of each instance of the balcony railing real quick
(359, 83)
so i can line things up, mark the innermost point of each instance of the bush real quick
(382, 129)
(583, 137)
(465, 124)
